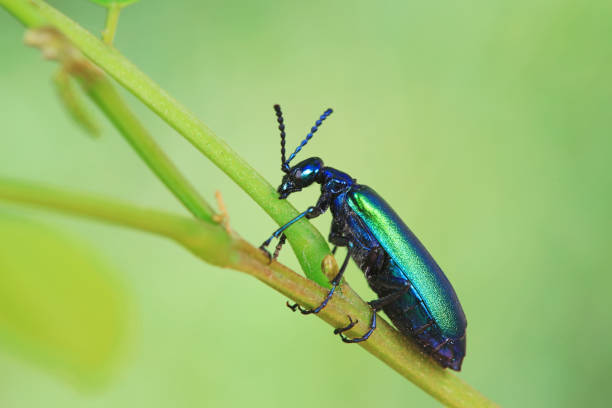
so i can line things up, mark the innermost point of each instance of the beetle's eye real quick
(306, 174)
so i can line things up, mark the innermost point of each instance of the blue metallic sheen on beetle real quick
(412, 289)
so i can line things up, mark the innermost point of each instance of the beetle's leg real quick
(388, 283)
(373, 263)
(350, 326)
(280, 231)
(335, 282)
(280, 244)
(376, 305)
(336, 233)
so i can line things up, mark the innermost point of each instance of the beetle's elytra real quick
(412, 289)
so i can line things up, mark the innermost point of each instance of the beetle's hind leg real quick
(335, 282)
(352, 324)
(376, 305)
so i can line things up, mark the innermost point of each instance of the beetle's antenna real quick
(281, 127)
(309, 135)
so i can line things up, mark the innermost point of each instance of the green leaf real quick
(60, 307)
(109, 3)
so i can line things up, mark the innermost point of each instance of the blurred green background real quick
(486, 125)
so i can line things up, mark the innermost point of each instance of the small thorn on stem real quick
(223, 217)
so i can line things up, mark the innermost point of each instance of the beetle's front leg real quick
(310, 212)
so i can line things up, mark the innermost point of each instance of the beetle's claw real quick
(265, 251)
(341, 330)
(293, 307)
(296, 307)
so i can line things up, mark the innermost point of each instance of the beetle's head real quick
(304, 173)
(300, 176)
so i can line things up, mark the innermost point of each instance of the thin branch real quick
(99, 88)
(74, 103)
(109, 101)
(212, 243)
(99, 208)
(308, 244)
(112, 18)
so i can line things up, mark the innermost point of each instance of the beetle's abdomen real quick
(410, 261)
(412, 318)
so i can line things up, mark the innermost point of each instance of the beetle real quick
(412, 289)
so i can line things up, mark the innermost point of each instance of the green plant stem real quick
(308, 244)
(74, 104)
(99, 88)
(110, 102)
(112, 18)
(213, 244)
(178, 228)
(23, 14)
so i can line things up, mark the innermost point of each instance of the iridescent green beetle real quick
(412, 289)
